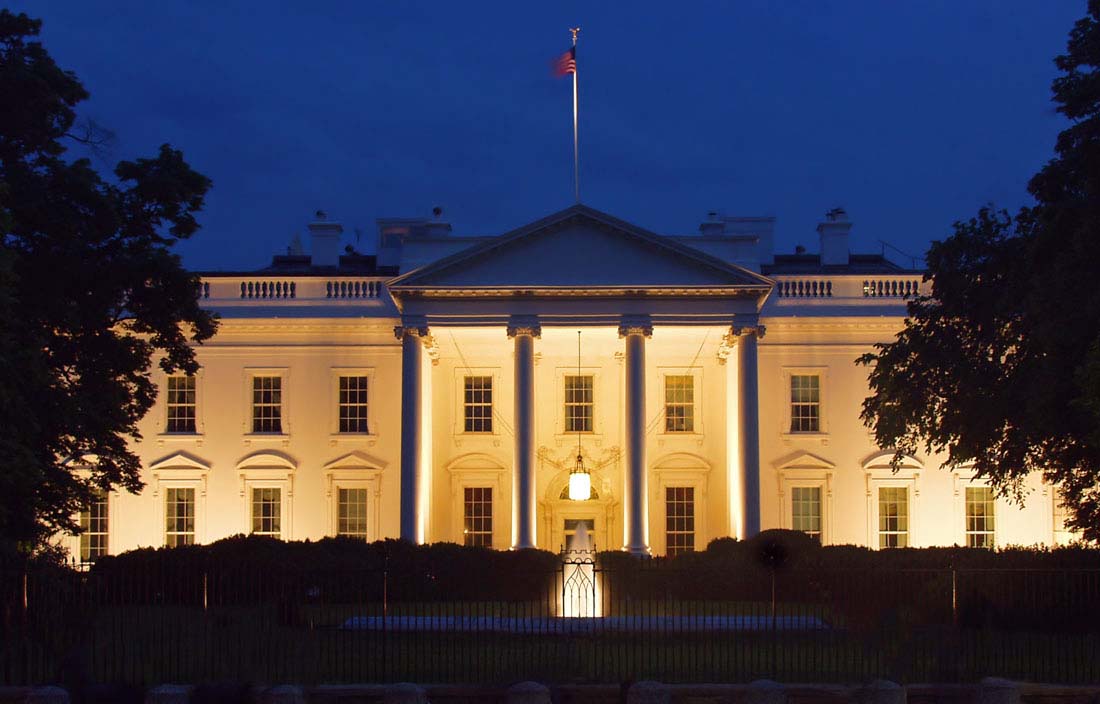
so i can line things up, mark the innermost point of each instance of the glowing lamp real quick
(580, 481)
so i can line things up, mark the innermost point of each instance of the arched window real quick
(565, 493)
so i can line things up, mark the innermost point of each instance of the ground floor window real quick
(806, 510)
(893, 517)
(979, 517)
(94, 525)
(179, 516)
(679, 519)
(267, 505)
(477, 516)
(352, 512)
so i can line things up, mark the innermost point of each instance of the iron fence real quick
(586, 623)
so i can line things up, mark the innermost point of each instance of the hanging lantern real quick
(580, 481)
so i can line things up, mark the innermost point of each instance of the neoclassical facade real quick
(443, 388)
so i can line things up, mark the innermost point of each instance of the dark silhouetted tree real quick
(1000, 365)
(91, 294)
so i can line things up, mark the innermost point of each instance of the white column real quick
(523, 466)
(411, 471)
(636, 508)
(749, 416)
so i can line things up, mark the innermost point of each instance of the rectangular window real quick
(267, 508)
(477, 513)
(679, 520)
(179, 517)
(477, 404)
(893, 517)
(805, 403)
(979, 517)
(352, 513)
(578, 403)
(181, 404)
(94, 524)
(679, 403)
(806, 510)
(267, 404)
(353, 404)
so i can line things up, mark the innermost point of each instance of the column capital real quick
(635, 325)
(525, 325)
(756, 331)
(417, 326)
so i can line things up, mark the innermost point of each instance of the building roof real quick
(788, 264)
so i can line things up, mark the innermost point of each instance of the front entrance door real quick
(570, 526)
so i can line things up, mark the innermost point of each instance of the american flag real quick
(566, 63)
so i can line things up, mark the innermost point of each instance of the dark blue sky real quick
(910, 115)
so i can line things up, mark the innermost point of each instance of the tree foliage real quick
(91, 294)
(999, 366)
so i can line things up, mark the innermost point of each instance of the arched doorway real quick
(561, 516)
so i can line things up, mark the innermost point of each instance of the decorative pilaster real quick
(412, 481)
(524, 332)
(636, 507)
(749, 421)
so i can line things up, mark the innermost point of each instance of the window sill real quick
(477, 439)
(821, 437)
(196, 438)
(267, 438)
(674, 437)
(368, 439)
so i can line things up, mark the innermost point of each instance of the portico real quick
(630, 293)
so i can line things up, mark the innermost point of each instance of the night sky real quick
(910, 115)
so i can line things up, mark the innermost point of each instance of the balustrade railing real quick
(276, 290)
(850, 288)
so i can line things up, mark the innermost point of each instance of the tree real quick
(91, 294)
(999, 365)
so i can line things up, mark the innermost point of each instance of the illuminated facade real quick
(716, 394)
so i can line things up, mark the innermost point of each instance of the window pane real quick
(679, 520)
(578, 404)
(477, 406)
(893, 517)
(805, 403)
(353, 404)
(94, 524)
(179, 515)
(352, 513)
(979, 517)
(266, 511)
(679, 403)
(267, 404)
(180, 400)
(806, 510)
(477, 513)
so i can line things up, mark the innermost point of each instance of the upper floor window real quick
(352, 512)
(893, 517)
(806, 510)
(979, 517)
(353, 404)
(181, 404)
(267, 404)
(578, 403)
(679, 403)
(805, 403)
(477, 404)
(179, 516)
(477, 514)
(679, 519)
(94, 525)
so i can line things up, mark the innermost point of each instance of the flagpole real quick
(576, 150)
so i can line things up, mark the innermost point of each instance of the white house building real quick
(715, 394)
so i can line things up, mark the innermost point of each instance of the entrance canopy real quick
(579, 266)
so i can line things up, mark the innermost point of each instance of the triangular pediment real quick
(180, 460)
(355, 460)
(805, 460)
(578, 249)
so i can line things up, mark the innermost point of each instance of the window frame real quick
(252, 373)
(374, 419)
(194, 514)
(694, 533)
(466, 405)
(821, 372)
(267, 470)
(677, 469)
(492, 514)
(565, 405)
(820, 489)
(181, 471)
(880, 532)
(480, 470)
(696, 374)
(162, 435)
(991, 517)
(878, 473)
(807, 471)
(355, 470)
(79, 547)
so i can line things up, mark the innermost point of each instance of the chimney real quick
(324, 241)
(437, 227)
(834, 238)
(713, 225)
